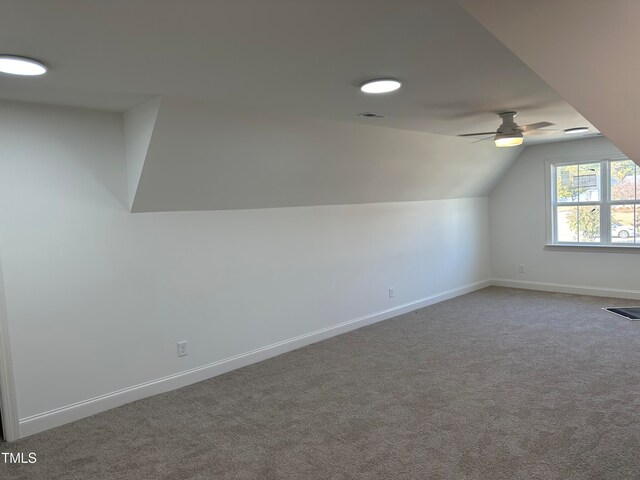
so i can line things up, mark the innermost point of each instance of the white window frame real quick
(604, 203)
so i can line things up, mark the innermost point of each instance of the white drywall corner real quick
(139, 123)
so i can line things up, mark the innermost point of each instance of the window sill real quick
(579, 247)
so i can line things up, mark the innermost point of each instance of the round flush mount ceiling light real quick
(16, 65)
(381, 85)
(571, 131)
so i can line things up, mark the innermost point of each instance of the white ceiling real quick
(298, 57)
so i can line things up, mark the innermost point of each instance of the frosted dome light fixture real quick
(16, 65)
(508, 140)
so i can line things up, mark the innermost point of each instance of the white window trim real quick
(550, 217)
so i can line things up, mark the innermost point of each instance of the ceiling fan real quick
(509, 133)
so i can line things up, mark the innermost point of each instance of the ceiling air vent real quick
(371, 115)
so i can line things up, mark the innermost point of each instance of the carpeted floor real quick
(497, 384)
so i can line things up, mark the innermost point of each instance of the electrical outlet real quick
(182, 348)
(521, 268)
(391, 292)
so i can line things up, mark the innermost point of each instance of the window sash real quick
(604, 203)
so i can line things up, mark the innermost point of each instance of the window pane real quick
(578, 183)
(588, 182)
(567, 224)
(589, 224)
(624, 174)
(624, 221)
(566, 191)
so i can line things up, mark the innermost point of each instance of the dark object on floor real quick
(632, 313)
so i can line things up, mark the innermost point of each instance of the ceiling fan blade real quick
(540, 132)
(483, 139)
(474, 134)
(535, 126)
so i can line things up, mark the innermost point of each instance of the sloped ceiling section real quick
(585, 49)
(203, 158)
(139, 123)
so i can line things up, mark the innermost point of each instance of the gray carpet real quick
(497, 384)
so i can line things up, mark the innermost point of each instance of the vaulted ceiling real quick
(199, 157)
(299, 57)
(585, 49)
(250, 103)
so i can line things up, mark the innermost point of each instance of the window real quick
(596, 203)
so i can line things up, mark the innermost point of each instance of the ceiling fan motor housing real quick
(509, 125)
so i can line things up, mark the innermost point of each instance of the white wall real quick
(518, 232)
(97, 297)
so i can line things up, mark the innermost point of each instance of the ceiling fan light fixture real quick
(381, 85)
(16, 65)
(508, 140)
(509, 133)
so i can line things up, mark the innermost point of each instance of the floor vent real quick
(630, 313)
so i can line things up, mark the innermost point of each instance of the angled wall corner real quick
(586, 50)
(204, 157)
(139, 124)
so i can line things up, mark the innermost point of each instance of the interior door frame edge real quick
(8, 405)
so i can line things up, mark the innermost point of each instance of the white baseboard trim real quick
(564, 288)
(69, 413)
